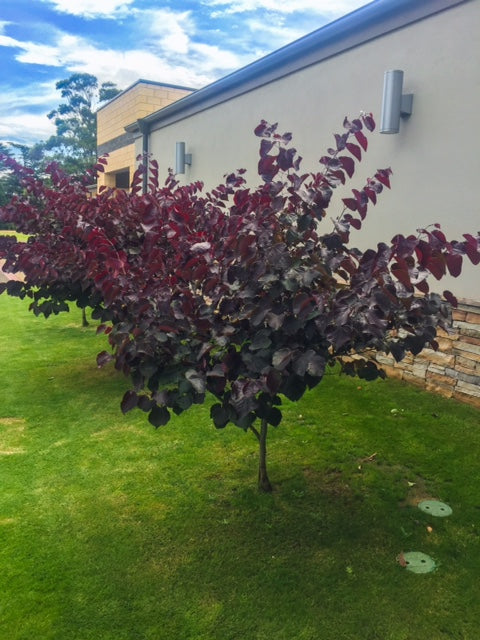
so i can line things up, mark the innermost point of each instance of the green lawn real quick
(110, 530)
(20, 236)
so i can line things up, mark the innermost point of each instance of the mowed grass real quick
(112, 530)
(22, 237)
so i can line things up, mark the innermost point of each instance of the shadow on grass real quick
(225, 562)
(112, 531)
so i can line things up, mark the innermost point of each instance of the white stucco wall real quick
(434, 158)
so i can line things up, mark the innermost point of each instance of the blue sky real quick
(184, 42)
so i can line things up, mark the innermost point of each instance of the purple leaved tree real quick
(249, 294)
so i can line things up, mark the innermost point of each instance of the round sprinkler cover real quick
(435, 508)
(418, 562)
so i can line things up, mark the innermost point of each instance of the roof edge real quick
(150, 82)
(366, 23)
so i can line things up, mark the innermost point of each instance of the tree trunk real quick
(264, 484)
(84, 318)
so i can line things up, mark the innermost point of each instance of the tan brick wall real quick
(118, 160)
(139, 101)
(454, 370)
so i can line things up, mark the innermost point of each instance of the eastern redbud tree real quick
(242, 294)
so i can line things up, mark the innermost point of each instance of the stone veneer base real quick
(454, 370)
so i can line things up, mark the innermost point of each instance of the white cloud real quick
(321, 7)
(212, 58)
(53, 55)
(168, 54)
(32, 95)
(33, 53)
(92, 8)
(127, 67)
(174, 38)
(78, 55)
(25, 128)
(166, 29)
(18, 123)
(6, 41)
(170, 46)
(273, 33)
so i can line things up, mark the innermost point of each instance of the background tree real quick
(249, 294)
(74, 145)
(8, 181)
(30, 157)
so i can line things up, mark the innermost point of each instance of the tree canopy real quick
(247, 294)
(74, 144)
(7, 178)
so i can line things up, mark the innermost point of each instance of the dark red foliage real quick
(246, 293)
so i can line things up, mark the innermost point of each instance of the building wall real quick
(434, 162)
(434, 157)
(136, 102)
(118, 160)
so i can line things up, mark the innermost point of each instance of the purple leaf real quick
(369, 122)
(159, 416)
(265, 147)
(350, 203)
(273, 380)
(267, 168)
(402, 276)
(361, 139)
(354, 150)
(340, 140)
(348, 165)
(436, 266)
(383, 176)
(449, 297)
(129, 401)
(265, 130)
(454, 264)
(281, 358)
(219, 416)
(103, 358)
(200, 247)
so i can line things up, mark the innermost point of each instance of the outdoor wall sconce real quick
(181, 158)
(395, 105)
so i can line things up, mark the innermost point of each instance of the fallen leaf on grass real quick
(401, 560)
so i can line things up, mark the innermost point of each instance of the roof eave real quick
(368, 22)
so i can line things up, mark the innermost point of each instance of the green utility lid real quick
(435, 508)
(418, 562)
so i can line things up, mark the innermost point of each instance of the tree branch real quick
(255, 431)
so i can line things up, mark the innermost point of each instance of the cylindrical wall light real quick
(394, 103)
(181, 158)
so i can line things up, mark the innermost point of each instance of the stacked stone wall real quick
(454, 369)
